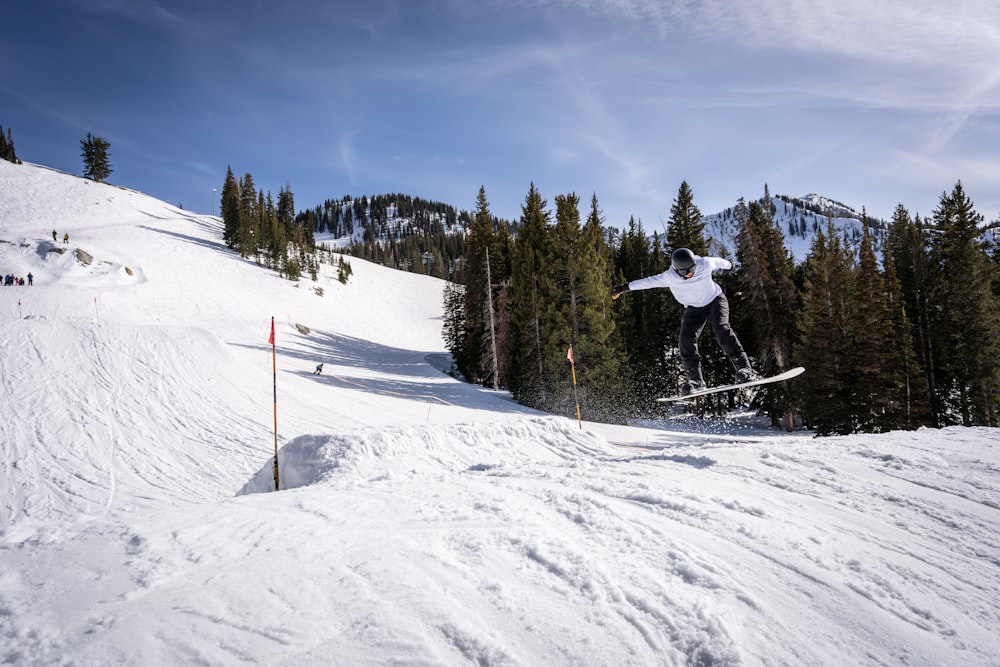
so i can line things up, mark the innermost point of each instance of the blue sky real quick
(872, 104)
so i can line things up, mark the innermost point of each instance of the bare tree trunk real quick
(493, 326)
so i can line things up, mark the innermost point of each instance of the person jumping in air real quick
(689, 279)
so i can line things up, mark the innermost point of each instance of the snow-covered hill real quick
(798, 218)
(422, 521)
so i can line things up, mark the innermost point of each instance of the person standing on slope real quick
(689, 279)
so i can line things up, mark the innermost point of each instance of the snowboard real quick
(787, 375)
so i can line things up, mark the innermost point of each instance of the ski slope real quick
(422, 521)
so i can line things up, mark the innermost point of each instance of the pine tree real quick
(876, 400)
(902, 366)
(825, 335)
(525, 354)
(251, 233)
(602, 373)
(479, 357)
(558, 282)
(7, 151)
(966, 326)
(230, 209)
(907, 244)
(95, 158)
(574, 288)
(769, 299)
(454, 332)
(286, 206)
(687, 228)
(648, 337)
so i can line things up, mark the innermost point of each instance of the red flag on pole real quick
(569, 355)
(270, 340)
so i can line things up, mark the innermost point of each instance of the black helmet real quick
(682, 262)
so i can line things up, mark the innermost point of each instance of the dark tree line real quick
(410, 253)
(254, 225)
(7, 151)
(912, 341)
(385, 217)
(404, 232)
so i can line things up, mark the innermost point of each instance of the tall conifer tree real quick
(825, 340)
(525, 354)
(648, 339)
(230, 209)
(966, 325)
(575, 288)
(909, 382)
(686, 228)
(480, 307)
(96, 165)
(908, 245)
(876, 400)
(454, 332)
(769, 298)
(7, 151)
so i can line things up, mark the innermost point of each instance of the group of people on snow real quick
(11, 280)
(65, 237)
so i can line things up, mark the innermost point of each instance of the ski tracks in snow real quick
(136, 392)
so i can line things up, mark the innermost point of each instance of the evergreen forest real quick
(912, 340)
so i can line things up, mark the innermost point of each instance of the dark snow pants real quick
(693, 322)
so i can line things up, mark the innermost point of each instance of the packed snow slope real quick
(421, 521)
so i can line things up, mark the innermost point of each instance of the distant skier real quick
(53, 236)
(689, 279)
(31, 280)
(66, 237)
(319, 370)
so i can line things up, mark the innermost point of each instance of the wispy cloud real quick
(902, 30)
(346, 151)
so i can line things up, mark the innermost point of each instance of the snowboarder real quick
(689, 279)
(319, 370)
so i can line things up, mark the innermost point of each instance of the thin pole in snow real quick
(572, 364)
(274, 360)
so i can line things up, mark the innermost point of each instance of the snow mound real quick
(385, 453)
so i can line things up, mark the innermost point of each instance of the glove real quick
(618, 290)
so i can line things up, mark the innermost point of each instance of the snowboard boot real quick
(744, 371)
(746, 374)
(695, 382)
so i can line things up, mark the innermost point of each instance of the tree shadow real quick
(361, 365)
(699, 462)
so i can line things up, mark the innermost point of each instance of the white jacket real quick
(698, 290)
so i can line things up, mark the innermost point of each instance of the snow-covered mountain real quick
(799, 218)
(422, 521)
